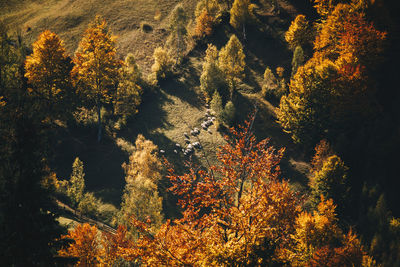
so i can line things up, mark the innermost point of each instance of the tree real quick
(298, 59)
(76, 182)
(330, 181)
(177, 39)
(212, 78)
(231, 61)
(204, 25)
(163, 63)
(237, 212)
(96, 66)
(299, 33)
(28, 225)
(47, 71)
(140, 199)
(89, 204)
(216, 104)
(241, 13)
(129, 91)
(228, 114)
(305, 111)
(85, 245)
(318, 241)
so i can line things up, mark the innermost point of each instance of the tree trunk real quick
(99, 120)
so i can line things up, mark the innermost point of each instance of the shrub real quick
(163, 63)
(146, 27)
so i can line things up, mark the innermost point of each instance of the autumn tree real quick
(163, 63)
(241, 14)
(141, 199)
(298, 59)
(76, 182)
(177, 38)
(231, 61)
(333, 89)
(85, 245)
(299, 33)
(96, 66)
(206, 14)
(319, 241)
(237, 212)
(305, 111)
(212, 78)
(129, 91)
(330, 181)
(47, 71)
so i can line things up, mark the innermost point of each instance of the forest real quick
(199, 133)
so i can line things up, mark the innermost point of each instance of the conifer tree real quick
(216, 104)
(129, 91)
(212, 78)
(298, 59)
(177, 39)
(330, 181)
(231, 61)
(299, 33)
(96, 66)
(76, 182)
(241, 14)
(141, 200)
(47, 71)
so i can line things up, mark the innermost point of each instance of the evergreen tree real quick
(298, 59)
(129, 91)
(28, 228)
(96, 66)
(228, 114)
(241, 13)
(177, 39)
(212, 78)
(76, 182)
(231, 61)
(299, 33)
(330, 181)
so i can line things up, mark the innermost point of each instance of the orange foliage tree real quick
(47, 71)
(93, 247)
(237, 212)
(85, 245)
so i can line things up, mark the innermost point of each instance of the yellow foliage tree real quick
(319, 241)
(163, 64)
(96, 66)
(129, 92)
(212, 78)
(241, 13)
(299, 33)
(231, 61)
(47, 71)
(141, 199)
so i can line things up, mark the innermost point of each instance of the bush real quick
(146, 27)
(88, 205)
(163, 63)
(228, 115)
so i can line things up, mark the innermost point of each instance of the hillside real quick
(179, 106)
(156, 164)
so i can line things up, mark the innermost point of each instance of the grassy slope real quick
(166, 114)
